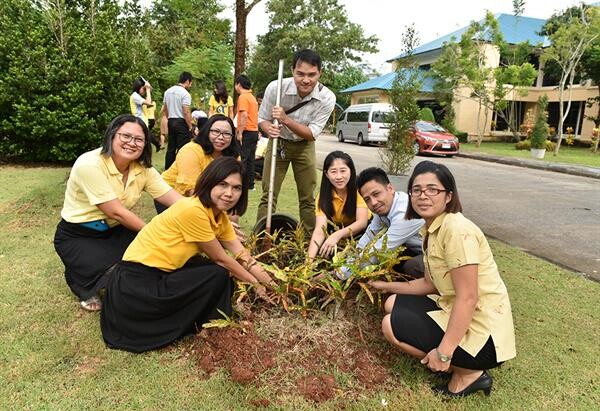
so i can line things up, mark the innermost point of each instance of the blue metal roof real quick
(385, 83)
(514, 29)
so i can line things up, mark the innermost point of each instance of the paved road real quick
(552, 215)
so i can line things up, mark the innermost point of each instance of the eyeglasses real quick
(128, 138)
(225, 135)
(429, 191)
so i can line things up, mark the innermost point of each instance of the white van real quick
(364, 123)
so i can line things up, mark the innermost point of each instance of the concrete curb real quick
(583, 171)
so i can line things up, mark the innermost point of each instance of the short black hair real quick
(307, 56)
(185, 76)
(111, 131)
(138, 84)
(446, 178)
(372, 173)
(243, 81)
(233, 150)
(217, 171)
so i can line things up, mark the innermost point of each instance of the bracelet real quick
(442, 357)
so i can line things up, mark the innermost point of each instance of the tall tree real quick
(206, 65)
(590, 65)
(322, 25)
(180, 25)
(242, 9)
(399, 149)
(571, 35)
(348, 77)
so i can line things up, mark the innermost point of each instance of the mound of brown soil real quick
(317, 357)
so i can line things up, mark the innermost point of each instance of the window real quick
(380, 117)
(358, 116)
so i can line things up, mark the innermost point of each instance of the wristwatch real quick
(443, 357)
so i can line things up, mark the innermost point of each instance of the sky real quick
(387, 19)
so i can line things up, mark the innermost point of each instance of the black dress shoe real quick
(483, 383)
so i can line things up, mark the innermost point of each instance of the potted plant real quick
(539, 134)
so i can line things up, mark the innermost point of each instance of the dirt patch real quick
(318, 389)
(319, 357)
(88, 366)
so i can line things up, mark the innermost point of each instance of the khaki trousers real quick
(301, 154)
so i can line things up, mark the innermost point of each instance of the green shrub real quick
(58, 92)
(426, 114)
(526, 145)
(539, 134)
(523, 145)
(462, 136)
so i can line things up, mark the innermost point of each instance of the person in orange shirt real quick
(247, 127)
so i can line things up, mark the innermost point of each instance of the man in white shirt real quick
(176, 106)
(304, 109)
(389, 207)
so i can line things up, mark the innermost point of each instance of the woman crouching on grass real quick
(467, 327)
(162, 290)
(97, 221)
(338, 204)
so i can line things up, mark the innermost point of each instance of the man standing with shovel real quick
(304, 109)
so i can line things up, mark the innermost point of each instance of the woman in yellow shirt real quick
(215, 139)
(340, 210)
(220, 102)
(97, 222)
(163, 290)
(465, 326)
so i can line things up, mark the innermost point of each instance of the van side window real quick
(380, 117)
(358, 116)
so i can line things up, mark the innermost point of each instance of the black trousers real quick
(249, 140)
(412, 325)
(179, 135)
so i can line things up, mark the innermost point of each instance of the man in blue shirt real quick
(388, 207)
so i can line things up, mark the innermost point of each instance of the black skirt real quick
(145, 308)
(412, 325)
(87, 254)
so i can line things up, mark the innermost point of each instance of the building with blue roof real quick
(515, 29)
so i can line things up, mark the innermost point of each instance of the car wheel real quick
(340, 137)
(360, 140)
(416, 148)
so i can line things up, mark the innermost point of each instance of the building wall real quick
(467, 108)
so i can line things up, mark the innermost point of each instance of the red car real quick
(435, 139)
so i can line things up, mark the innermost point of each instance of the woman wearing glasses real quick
(97, 223)
(214, 140)
(466, 327)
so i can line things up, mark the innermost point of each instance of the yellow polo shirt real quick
(149, 111)
(190, 162)
(338, 207)
(220, 108)
(171, 238)
(454, 241)
(94, 179)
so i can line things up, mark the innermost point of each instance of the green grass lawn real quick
(52, 355)
(567, 154)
